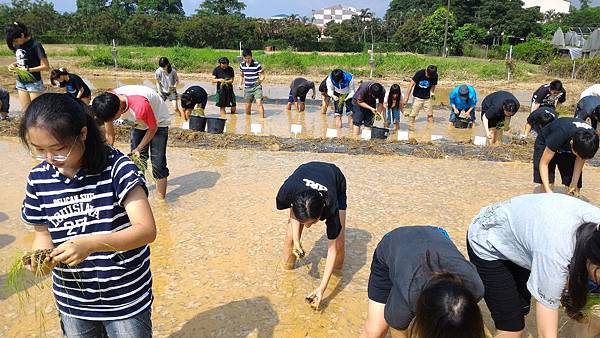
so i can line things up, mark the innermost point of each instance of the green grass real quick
(388, 65)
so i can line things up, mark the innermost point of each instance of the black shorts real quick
(323, 87)
(362, 116)
(564, 161)
(494, 123)
(291, 98)
(506, 293)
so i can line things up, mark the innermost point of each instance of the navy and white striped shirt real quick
(250, 73)
(106, 285)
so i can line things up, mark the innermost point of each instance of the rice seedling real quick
(24, 76)
(142, 164)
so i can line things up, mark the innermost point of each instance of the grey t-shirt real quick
(403, 251)
(300, 87)
(536, 232)
(166, 81)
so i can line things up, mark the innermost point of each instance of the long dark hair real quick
(163, 61)
(56, 74)
(64, 116)
(309, 204)
(14, 31)
(394, 89)
(587, 249)
(446, 308)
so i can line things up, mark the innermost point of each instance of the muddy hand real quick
(573, 192)
(314, 298)
(298, 251)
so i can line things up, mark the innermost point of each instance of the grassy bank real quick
(399, 65)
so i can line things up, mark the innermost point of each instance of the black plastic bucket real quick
(379, 133)
(462, 123)
(215, 125)
(197, 123)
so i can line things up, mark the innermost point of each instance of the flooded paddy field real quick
(217, 258)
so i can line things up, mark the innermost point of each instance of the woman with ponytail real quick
(31, 60)
(315, 191)
(88, 204)
(75, 86)
(541, 245)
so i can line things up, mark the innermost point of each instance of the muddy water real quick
(278, 121)
(216, 260)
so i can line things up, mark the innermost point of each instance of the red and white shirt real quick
(145, 107)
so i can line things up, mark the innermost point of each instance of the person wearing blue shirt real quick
(463, 99)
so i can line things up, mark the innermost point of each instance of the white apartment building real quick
(558, 6)
(337, 13)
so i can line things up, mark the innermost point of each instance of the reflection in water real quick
(242, 318)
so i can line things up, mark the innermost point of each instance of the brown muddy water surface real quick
(216, 260)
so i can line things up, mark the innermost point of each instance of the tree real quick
(407, 35)
(433, 28)
(404, 9)
(584, 4)
(90, 6)
(161, 7)
(302, 37)
(221, 7)
(508, 17)
(588, 17)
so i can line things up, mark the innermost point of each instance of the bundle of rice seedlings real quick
(24, 76)
(592, 306)
(143, 166)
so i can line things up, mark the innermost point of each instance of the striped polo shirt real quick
(250, 72)
(106, 285)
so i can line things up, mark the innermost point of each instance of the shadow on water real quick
(236, 319)
(357, 241)
(6, 240)
(28, 281)
(3, 217)
(192, 182)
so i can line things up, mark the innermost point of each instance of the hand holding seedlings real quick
(39, 262)
(72, 252)
(314, 298)
(298, 250)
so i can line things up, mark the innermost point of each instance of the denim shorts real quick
(32, 87)
(157, 147)
(393, 115)
(362, 116)
(138, 326)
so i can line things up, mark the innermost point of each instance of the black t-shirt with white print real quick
(423, 84)
(323, 177)
(546, 99)
(534, 118)
(74, 85)
(558, 134)
(29, 55)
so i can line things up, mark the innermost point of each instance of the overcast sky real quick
(267, 8)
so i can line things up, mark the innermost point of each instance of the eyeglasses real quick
(53, 157)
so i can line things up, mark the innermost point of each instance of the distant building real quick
(337, 13)
(558, 6)
(280, 17)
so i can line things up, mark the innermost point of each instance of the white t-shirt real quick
(594, 90)
(145, 107)
(536, 232)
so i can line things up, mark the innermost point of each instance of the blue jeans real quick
(139, 326)
(158, 150)
(32, 87)
(453, 116)
(393, 115)
(339, 107)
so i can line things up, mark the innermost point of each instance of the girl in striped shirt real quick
(88, 202)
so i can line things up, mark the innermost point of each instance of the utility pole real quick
(445, 51)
